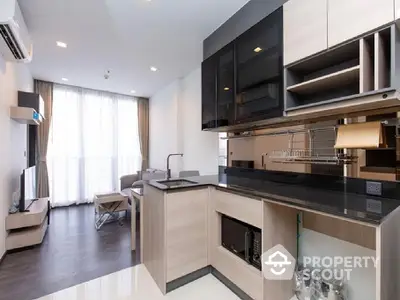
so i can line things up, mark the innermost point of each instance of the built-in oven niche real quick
(242, 239)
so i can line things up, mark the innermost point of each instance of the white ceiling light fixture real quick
(64, 79)
(133, 91)
(61, 44)
(154, 69)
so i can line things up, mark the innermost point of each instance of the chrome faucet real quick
(168, 169)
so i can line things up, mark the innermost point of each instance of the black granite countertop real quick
(365, 208)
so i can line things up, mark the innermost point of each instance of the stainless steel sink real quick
(176, 182)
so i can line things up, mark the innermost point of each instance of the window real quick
(94, 140)
(223, 150)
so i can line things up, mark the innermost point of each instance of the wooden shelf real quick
(327, 81)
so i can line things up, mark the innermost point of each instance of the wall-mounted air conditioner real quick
(15, 42)
(25, 115)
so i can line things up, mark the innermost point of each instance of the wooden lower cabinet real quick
(279, 228)
(186, 232)
(182, 234)
(246, 277)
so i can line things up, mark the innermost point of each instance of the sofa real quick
(136, 181)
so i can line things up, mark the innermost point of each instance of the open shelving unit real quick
(327, 81)
(359, 72)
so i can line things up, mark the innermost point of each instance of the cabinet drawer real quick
(245, 209)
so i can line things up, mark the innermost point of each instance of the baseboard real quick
(179, 282)
(3, 257)
(230, 285)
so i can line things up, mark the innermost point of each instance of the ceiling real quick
(123, 36)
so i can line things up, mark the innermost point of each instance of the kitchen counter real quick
(364, 208)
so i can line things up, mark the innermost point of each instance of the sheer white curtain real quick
(93, 141)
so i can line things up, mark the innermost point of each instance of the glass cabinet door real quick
(226, 87)
(209, 93)
(259, 61)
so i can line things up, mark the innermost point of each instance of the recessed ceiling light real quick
(258, 49)
(226, 88)
(64, 79)
(61, 44)
(133, 91)
(154, 69)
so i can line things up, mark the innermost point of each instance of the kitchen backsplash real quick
(369, 164)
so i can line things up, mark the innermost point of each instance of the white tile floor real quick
(136, 283)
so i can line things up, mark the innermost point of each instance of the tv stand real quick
(28, 228)
(30, 204)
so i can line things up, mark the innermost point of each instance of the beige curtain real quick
(143, 118)
(45, 89)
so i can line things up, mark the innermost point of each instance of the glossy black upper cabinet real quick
(243, 82)
(209, 93)
(226, 86)
(259, 68)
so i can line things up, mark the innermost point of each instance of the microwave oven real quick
(243, 240)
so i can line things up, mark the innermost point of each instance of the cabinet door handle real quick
(246, 246)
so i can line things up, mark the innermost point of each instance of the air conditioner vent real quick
(15, 41)
(10, 40)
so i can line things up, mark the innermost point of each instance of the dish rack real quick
(313, 154)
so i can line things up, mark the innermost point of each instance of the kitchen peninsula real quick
(182, 226)
(283, 90)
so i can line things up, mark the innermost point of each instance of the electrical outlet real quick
(374, 206)
(373, 188)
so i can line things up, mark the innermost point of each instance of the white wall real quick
(163, 126)
(200, 147)
(13, 136)
(175, 126)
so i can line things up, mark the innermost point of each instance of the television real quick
(28, 188)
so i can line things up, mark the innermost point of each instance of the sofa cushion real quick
(153, 175)
(138, 184)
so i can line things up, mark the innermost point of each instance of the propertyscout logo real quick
(279, 264)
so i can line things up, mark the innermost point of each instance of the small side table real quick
(106, 205)
(137, 193)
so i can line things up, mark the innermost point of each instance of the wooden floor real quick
(72, 252)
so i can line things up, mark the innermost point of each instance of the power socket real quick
(374, 206)
(373, 188)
